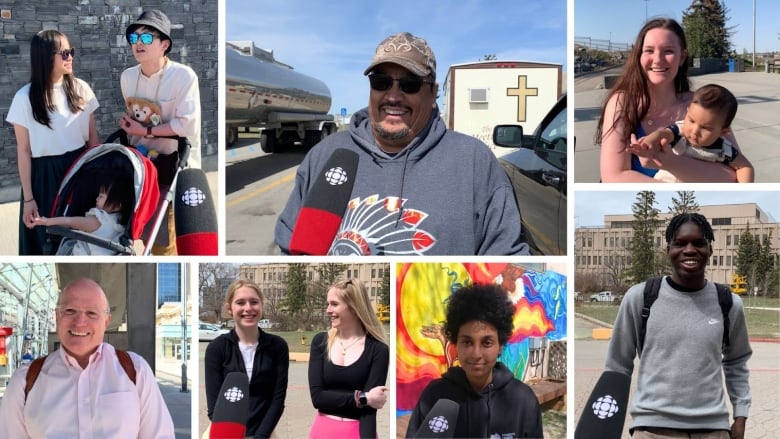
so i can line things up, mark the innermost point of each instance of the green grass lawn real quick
(761, 323)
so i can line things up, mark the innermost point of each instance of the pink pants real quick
(326, 427)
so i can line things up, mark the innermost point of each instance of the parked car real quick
(604, 296)
(266, 324)
(537, 171)
(208, 331)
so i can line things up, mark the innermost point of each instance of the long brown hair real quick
(42, 101)
(632, 83)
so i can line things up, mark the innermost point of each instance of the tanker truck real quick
(262, 92)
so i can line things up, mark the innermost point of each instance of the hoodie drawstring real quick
(401, 195)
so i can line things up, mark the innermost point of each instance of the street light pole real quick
(754, 35)
(646, 10)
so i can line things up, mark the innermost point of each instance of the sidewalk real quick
(9, 208)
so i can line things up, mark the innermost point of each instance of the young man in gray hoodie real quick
(420, 188)
(679, 391)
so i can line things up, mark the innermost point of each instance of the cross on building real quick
(522, 92)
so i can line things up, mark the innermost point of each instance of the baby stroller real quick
(195, 218)
(78, 191)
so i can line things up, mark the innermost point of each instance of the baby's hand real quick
(40, 221)
(640, 148)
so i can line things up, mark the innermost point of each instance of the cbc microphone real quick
(196, 219)
(232, 408)
(605, 412)
(324, 205)
(441, 420)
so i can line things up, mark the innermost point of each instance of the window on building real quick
(728, 261)
(605, 241)
(736, 239)
(758, 213)
(728, 239)
(763, 238)
(720, 260)
(721, 221)
(590, 241)
(657, 241)
(714, 260)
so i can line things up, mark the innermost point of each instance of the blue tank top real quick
(635, 164)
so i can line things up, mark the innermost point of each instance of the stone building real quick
(599, 249)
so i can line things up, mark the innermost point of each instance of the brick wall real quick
(96, 28)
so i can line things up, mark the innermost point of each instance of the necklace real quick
(344, 348)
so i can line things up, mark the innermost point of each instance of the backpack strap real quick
(35, 369)
(652, 286)
(127, 363)
(725, 301)
(32, 375)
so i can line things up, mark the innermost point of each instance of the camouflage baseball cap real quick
(408, 51)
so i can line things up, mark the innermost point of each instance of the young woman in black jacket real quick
(492, 403)
(264, 357)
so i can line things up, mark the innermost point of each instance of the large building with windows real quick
(168, 283)
(271, 277)
(600, 250)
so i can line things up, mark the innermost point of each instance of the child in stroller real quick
(113, 207)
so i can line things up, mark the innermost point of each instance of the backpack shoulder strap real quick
(652, 286)
(725, 301)
(32, 375)
(127, 363)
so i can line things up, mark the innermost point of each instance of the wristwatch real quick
(148, 132)
(363, 399)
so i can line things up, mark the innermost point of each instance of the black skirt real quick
(46, 174)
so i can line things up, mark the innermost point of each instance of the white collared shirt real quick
(96, 402)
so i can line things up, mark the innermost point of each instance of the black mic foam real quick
(320, 217)
(441, 420)
(232, 408)
(195, 217)
(605, 412)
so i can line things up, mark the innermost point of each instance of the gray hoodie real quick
(455, 197)
(681, 371)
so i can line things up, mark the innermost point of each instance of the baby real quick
(104, 220)
(699, 135)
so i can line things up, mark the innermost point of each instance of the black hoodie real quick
(506, 408)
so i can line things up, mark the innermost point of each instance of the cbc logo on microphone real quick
(438, 424)
(193, 197)
(336, 176)
(234, 394)
(605, 407)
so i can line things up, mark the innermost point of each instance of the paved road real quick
(756, 126)
(764, 419)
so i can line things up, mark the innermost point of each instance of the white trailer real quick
(478, 96)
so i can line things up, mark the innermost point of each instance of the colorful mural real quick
(422, 291)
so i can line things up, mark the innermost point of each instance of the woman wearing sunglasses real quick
(173, 88)
(53, 119)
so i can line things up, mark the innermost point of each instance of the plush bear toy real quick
(144, 111)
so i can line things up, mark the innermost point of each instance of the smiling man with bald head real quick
(84, 390)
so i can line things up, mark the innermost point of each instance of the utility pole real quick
(754, 35)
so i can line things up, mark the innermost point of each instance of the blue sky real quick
(591, 206)
(335, 40)
(626, 17)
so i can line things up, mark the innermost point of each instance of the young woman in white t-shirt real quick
(53, 119)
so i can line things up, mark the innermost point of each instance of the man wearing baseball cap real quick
(420, 188)
(163, 99)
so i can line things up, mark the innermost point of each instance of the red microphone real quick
(232, 408)
(196, 219)
(324, 206)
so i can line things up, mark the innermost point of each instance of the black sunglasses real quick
(408, 84)
(65, 53)
(146, 38)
